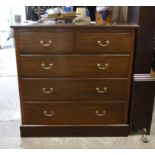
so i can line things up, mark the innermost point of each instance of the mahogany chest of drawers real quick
(74, 80)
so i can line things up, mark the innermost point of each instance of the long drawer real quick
(45, 42)
(103, 42)
(75, 89)
(70, 114)
(75, 66)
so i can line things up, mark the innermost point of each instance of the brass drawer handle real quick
(106, 65)
(101, 91)
(45, 44)
(107, 42)
(47, 68)
(48, 114)
(103, 113)
(47, 91)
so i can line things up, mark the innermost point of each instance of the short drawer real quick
(70, 114)
(103, 42)
(75, 66)
(45, 42)
(74, 89)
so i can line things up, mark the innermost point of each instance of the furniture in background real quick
(75, 80)
(143, 84)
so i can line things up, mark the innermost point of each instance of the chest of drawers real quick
(74, 80)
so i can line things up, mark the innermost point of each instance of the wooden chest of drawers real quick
(74, 80)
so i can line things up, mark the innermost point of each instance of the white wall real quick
(6, 19)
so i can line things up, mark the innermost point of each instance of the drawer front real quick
(75, 66)
(45, 42)
(74, 89)
(52, 114)
(103, 42)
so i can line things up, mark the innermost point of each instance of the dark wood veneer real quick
(119, 42)
(29, 42)
(74, 78)
(72, 131)
(75, 89)
(79, 114)
(74, 66)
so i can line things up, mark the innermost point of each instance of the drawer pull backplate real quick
(45, 44)
(106, 65)
(101, 91)
(107, 43)
(45, 67)
(103, 113)
(48, 114)
(47, 91)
